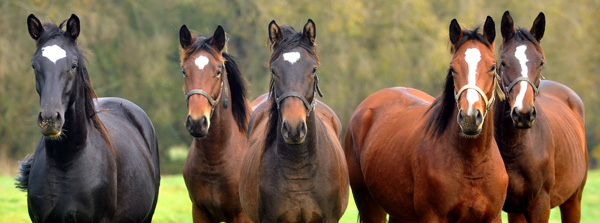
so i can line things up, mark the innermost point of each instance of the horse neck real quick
(222, 128)
(76, 127)
(474, 149)
(302, 153)
(508, 137)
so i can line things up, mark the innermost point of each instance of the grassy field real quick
(175, 206)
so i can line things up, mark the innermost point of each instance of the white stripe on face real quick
(291, 57)
(522, 57)
(201, 61)
(53, 53)
(472, 56)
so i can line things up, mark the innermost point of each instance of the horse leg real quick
(199, 215)
(539, 210)
(516, 218)
(368, 210)
(241, 218)
(570, 211)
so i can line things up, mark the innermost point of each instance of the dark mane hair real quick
(523, 34)
(52, 31)
(290, 40)
(237, 83)
(442, 108)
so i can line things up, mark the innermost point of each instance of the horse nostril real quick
(461, 116)
(286, 129)
(302, 130)
(514, 115)
(478, 118)
(58, 116)
(204, 121)
(533, 114)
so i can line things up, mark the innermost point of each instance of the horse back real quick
(134, 140)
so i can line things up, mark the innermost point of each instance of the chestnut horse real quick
(97, 160)
(294, 169)
(212, 168)
(546, 161)
(407, 157)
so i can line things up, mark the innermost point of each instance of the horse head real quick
(522, 60)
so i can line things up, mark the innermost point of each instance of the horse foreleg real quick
(199, 215)
(241, 218)
(570, 211)
(539, 210)
(516, 218)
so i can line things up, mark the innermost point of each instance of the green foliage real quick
(174, 204)
(364, 46)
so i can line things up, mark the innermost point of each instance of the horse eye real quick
(502, 64)
(542, 64)
(218, 73)
(493, 68)
(273, 72)
(314, 71)
(74, 67)
(452, 70)
(183, 72)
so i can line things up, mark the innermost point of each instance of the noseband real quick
(213, 102)
(536, 90)
(309, 106)
(488, 103)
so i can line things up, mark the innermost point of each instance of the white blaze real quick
(53, 53)
(201, 61)
(520, 55)
(472, 56)
(291, 57)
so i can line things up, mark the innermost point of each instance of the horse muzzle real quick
(294, 134)
(523, 119)
(470, 124)
(197, 127)
(50, 123)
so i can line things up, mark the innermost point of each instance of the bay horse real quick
(215, 91)
(294, 169)
(540, 131)
(96, 161)
(424, 160)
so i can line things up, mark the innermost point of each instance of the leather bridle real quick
(213, 102)
(310, 106)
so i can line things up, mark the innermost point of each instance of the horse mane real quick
(290, 40)
(442, 108)
(23, 175)
(52, 31)
(237, 83)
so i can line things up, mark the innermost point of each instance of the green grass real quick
(174, 204)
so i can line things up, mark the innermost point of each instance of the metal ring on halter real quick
(488, 103)
(536, 90)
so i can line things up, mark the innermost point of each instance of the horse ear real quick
(539, 26)
(185, 37)
(507, 26)
(455, 32)
(73, 26)
(274, 33)
(489, 30)
(310, 32)
(35, 27)
(219, 39)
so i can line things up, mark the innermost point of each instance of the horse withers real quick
(97, 160)
(294, 169)
(215, 91)
(540, 131)
(421, 159)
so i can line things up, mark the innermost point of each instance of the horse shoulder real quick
(249, 173)
(329, 118)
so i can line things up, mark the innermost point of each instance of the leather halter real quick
(488, 103)
(536, 90)
(309, 106)
(213, 102)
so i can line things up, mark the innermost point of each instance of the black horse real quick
(97, 160)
